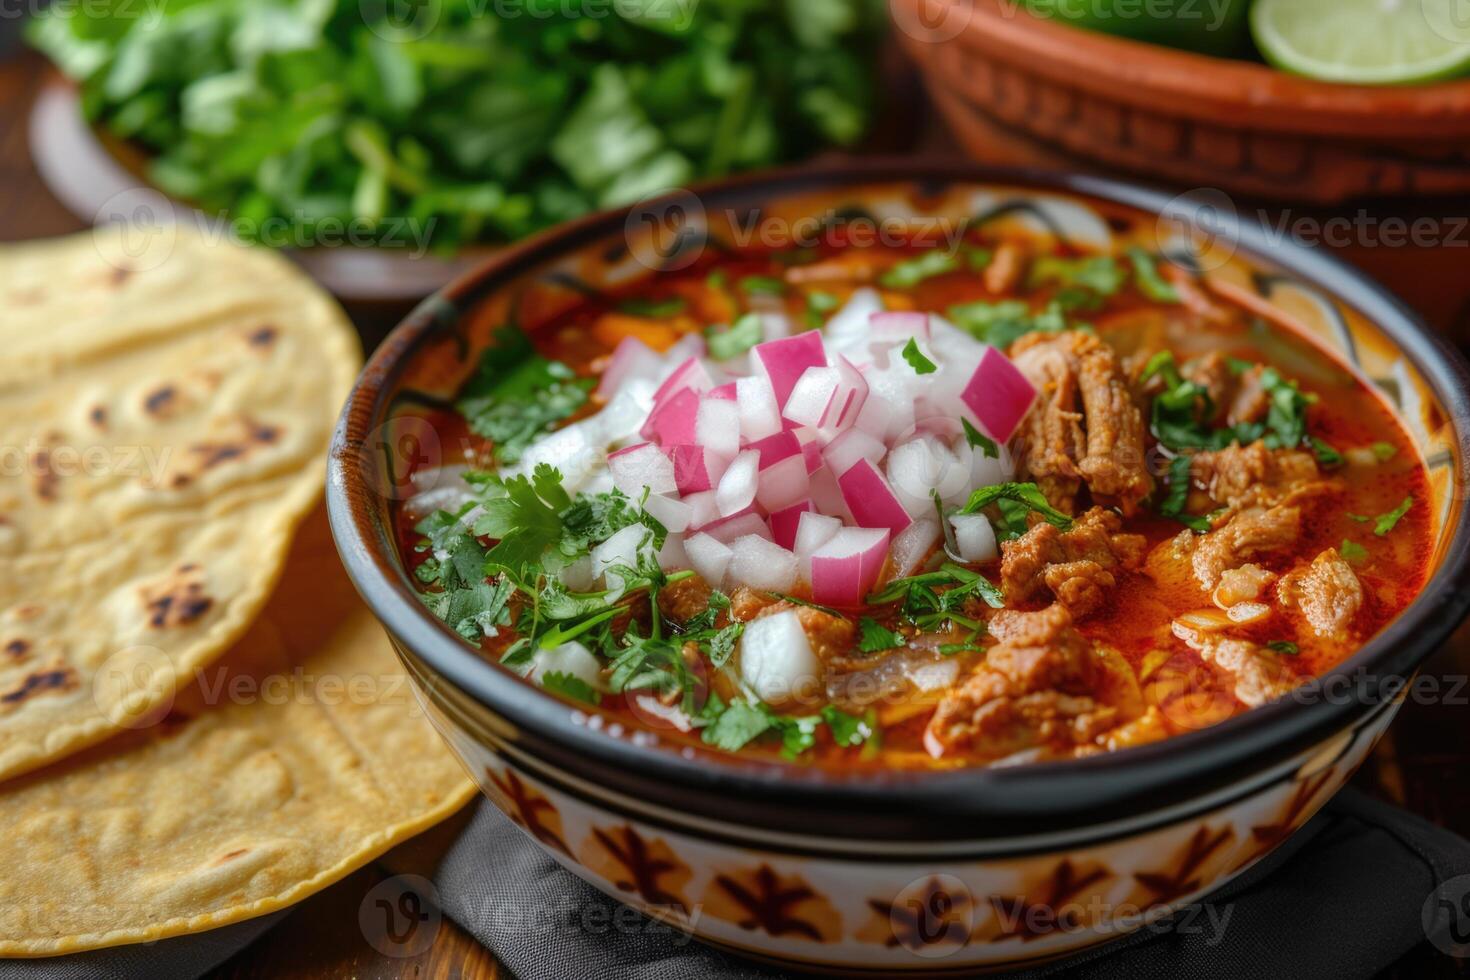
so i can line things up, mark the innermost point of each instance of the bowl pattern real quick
(760, 860)
(868, 906)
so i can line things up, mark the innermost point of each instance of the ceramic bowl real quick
(892, 872)
(1019, 89)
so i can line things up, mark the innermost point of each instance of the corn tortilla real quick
(166, 405)
(298, 757)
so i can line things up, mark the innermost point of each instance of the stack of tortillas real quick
(199, 721)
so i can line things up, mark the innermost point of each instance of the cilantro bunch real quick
(474, 121)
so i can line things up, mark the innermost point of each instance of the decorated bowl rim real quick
(949, 804)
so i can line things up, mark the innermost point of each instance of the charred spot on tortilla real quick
(263, 337)
(227, 858)
(63, 679)
(178, 600)
(17, 649)
(44, 479)
(98, 416)
(161, 401)
(120, 275)
(28, 612)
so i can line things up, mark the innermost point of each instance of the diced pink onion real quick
(851, 446)
(813, 453)
(692, 373)
(703, 510)
(709, 557)
(827, 495)
(717, 427)
(737, 487)
(784, 360)
(760, 416)
(871, 500)
(783, 484)
(724, 392)
(851, 395)
(811, 398)
(672, 513)
(845, 569)
(974, 537)
(774, 449)
(696, 469)
(914, 544)
(631, 359)
(671, 423)
(785, 522)
(642, 467)
(812, 531)
(738, 527)
(759, 563)
(999, 395)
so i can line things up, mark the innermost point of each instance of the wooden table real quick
(1422, 764)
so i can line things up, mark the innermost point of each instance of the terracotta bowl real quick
(895, 872)
(1019, 89)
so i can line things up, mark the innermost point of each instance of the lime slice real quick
(1366, 42)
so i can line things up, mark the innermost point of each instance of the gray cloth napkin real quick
(1344, 898)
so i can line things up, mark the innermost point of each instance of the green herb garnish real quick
(874, 637)
(656, 308)
(734, 340)
(1150, 283)
(571, 686)
(1385, 523)
(763, 285)
(1353, 551)
(978, 440)
(1025, 496)
(516, 395)
(910, 272)
(916, 358)
(1285, 647)
(1100, 274)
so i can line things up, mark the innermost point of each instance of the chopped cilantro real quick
(916, 358)
(1173, 503)
(978, 440)
(717, 604)
(516, 395)
(1385, 451)
(721, 644)
(734, 340)
(763, 285)
(910, 272)
(1353, 551)
(850, 730)
(874, 637)
(1099, 273)
(671, 306)
(1326, 455)
(1285, 647)
(924, 605)
(737, 725)
(525, 516)
(1150, 283)
(1002, 323)
(818, 305)
(1027, 495)
(571, 686)
(1385, 523)
(976, 258)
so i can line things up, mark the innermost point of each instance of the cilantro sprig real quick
(517, 395)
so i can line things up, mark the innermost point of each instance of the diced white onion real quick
(776, 659)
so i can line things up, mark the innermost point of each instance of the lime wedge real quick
(1365, 42)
